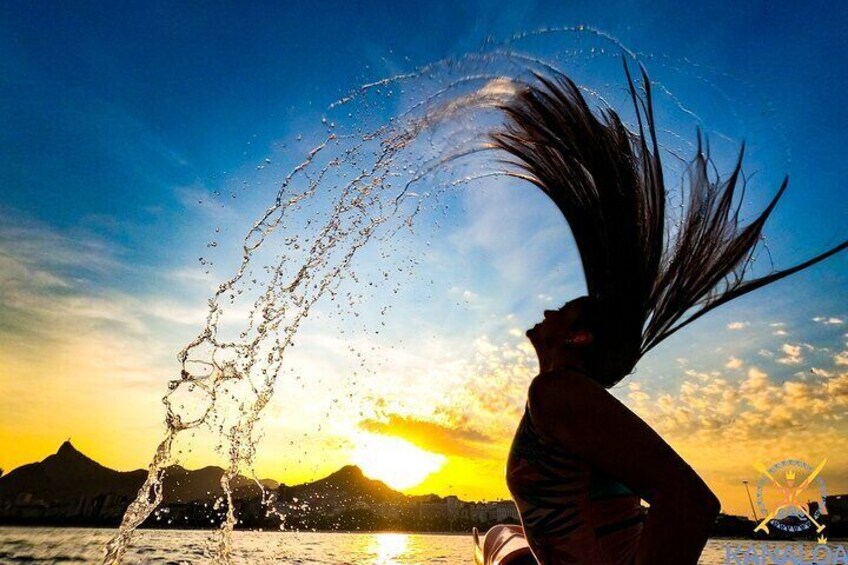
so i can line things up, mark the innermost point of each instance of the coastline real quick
(358, 532)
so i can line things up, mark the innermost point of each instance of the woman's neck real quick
(562, 362)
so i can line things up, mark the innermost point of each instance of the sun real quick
(395, 461)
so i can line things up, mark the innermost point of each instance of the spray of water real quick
(363, 182)
(217, 368)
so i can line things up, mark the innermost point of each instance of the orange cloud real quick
(458, 440)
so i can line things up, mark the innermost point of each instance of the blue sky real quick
(120, 117)
(109, 107)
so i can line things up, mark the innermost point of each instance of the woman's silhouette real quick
(581, 461)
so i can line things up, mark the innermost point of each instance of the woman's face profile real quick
(555, 326)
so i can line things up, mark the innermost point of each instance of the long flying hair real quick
(644, 280)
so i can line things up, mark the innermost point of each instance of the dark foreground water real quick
(72, 545)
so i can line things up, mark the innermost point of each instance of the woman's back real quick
(570, 512)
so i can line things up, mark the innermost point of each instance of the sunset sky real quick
(134, 134)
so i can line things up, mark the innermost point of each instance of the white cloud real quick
(829, 320)
(738, 325)
(753, 408)
(792, 354)
(639, 397)
(733, 363)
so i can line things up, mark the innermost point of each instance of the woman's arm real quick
(577, 412)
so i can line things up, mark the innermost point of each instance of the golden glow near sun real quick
(394, 461)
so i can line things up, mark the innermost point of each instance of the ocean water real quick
(75, 545)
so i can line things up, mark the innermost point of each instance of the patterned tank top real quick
(571, 513)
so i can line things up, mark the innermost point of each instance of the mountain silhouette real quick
(68, 476)
(344, 487)
(69, 488)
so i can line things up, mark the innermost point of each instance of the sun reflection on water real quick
(389, 547)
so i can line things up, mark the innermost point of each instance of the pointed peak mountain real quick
(68, 451)
(67, 475)
(71, 459)
(67, 446)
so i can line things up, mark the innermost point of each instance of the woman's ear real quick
(580, 338)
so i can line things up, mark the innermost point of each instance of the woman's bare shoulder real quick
(561, 385)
